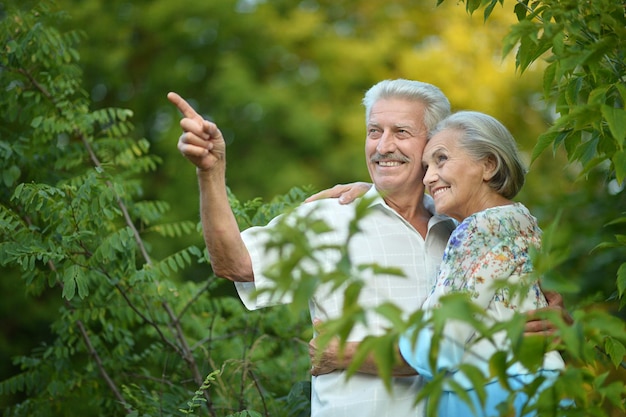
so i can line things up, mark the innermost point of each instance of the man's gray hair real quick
(437, 104)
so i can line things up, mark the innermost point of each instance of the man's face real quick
(396, 137)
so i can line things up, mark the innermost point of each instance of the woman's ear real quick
(490, 167)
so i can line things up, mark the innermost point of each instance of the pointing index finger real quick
(182, 105)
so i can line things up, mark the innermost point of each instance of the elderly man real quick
(400, 231)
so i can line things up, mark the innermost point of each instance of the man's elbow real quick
(237, 274)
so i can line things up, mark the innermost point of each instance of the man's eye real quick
(374, 133)
(403, 133)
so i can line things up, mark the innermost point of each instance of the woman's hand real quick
(538, 326)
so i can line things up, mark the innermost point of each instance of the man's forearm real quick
(333, 358)
(229, 257)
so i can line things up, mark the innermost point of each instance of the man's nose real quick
(386, 144)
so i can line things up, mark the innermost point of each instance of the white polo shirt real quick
(386, 239)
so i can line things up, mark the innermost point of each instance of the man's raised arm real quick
(203, 145)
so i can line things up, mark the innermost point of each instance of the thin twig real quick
(103, 372)
(120, 203)
(188, 356)
(148, 321)
(193, 299)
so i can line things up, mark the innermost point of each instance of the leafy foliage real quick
(584, 44)
(77, 218)
(127, 338)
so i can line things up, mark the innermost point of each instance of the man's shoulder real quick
(324, 207)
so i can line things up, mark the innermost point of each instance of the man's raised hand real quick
(202, 142)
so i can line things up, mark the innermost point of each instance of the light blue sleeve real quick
(417, 355)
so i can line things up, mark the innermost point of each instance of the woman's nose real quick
(429, 176)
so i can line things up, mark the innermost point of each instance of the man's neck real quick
(412, 209)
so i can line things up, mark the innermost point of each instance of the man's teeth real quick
(389, 163)
(440, 190)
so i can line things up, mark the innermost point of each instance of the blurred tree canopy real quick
(284, 81)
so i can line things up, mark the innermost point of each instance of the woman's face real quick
(457, 182)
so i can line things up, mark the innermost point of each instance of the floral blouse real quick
(488, 246)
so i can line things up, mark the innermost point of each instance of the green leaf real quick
(532, 351)
(82, 284)
(462, 393)
(616, 119)
(10, 175)
(521, 9)
(572, 382)
(36, 122)
(621, 280)
(546, 139)
(619, 162)
(472, 5)
(498, 366)
(69, 282)
(478, 380)
(586, 151)
(457, 306)
(391, 312)
(615, 350)
(489, 9)
(384, 356)
(619, 220)
(549, 75)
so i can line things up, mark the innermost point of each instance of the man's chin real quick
(391, 187)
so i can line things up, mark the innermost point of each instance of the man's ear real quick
(490, 167)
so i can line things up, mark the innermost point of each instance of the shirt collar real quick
(377, 200)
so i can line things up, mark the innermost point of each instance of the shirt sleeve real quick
(251, 293)
(262, 292)
(476, 257)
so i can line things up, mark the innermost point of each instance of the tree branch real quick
(92, 351)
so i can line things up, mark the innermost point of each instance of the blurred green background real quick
(284, 79)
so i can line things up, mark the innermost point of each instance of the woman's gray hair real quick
(437, 104)
(483, 137)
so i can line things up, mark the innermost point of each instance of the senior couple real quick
(469, 164)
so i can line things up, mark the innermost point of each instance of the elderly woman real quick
(472, 171)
